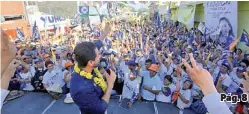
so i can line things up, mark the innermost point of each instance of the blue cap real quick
(226, 64)
(132, 63)
(38, 60)
(241, 69)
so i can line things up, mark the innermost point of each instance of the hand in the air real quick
(200, 76)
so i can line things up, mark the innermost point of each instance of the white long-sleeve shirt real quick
(4, 94)
(214, 105)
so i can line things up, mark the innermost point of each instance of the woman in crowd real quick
(53, 80)
(184, 96)
(167, 90)
(226, 36)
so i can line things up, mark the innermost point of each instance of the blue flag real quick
(55, 29)
(35, 34)
(20, 35)
(203, 40)
(244, 38)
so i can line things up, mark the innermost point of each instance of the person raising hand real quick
(204, 80)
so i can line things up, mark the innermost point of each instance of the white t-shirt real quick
(151, 82)
(167, 95)
(165, 71)
(130, 87)
(187, 95)
(235, 84)
(124, 68)
(27, 75)
(54, 77)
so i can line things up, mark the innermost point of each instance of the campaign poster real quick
(221, 20)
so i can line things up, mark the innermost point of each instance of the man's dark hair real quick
(191, 83)
(239, 50)
(84, 52)
(148, 61)
(245, 61)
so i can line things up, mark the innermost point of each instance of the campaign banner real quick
(221, 19)
(49, 21)
(186, 15)
(76, 20)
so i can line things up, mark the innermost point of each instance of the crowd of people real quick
(147, 59)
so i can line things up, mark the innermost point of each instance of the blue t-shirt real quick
(87, 95)
(98, 43)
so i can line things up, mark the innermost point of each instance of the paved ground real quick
(40, 103)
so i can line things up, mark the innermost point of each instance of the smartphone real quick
(108, 71)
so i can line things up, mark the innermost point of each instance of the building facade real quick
(13, 16)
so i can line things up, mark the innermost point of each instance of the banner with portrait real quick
(221, 20)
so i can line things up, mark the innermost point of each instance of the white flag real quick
(201, 27)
